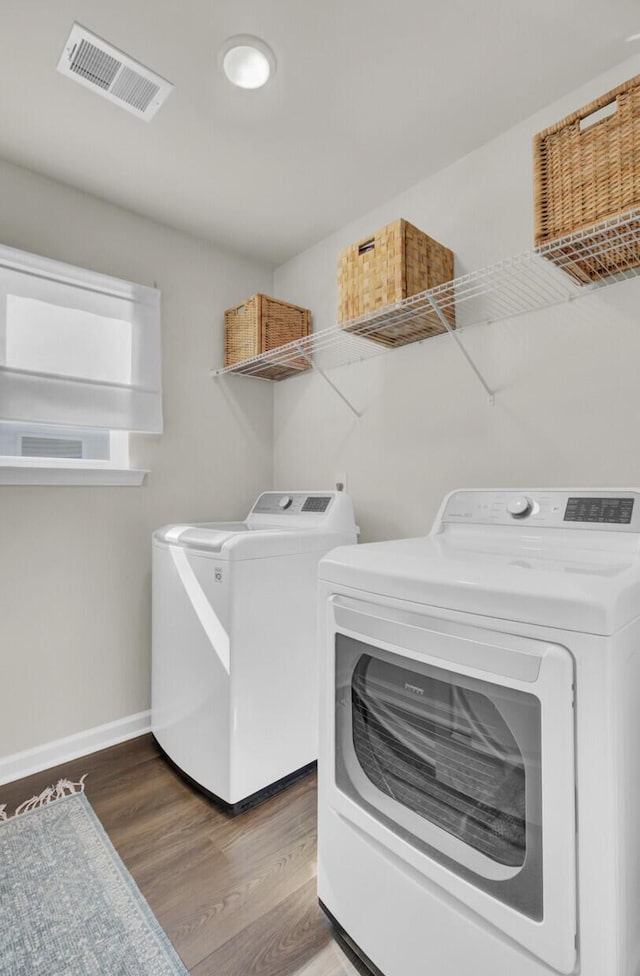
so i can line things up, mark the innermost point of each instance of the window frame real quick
(117, 470)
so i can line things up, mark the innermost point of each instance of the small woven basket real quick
(376, 273)
(586, 170)
(261, 325)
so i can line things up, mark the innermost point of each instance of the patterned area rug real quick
(68, 905)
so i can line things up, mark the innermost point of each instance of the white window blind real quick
(77, 348)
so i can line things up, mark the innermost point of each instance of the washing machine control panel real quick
(569, 509)
(293, 503)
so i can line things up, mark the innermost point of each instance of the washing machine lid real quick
(243, 540)
(574, 565)
(210, 536)
(279, 523)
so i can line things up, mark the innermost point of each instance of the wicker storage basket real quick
(395, 263)
(587, 169)
(260, 325)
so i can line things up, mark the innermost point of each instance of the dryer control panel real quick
(617, 510)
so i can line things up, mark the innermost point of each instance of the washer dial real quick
(520, 507)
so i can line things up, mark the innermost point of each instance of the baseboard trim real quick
(73, 747)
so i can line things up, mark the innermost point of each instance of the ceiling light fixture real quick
(247, 61)
(633, 37)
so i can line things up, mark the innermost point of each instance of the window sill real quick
(15, 473)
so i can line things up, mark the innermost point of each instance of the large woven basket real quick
(587, 169)
(378, 272)
(261, 325)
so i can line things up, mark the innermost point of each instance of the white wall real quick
(567, 408)
(75, 562)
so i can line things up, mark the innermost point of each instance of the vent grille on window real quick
(50, 447)
(95, 65)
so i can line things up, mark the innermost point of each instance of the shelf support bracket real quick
(454, 335)
(320, 372)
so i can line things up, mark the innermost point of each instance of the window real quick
(79, 370)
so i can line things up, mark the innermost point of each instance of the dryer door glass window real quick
(452, 762)
(443, 751)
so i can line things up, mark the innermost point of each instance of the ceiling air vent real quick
(92, 62)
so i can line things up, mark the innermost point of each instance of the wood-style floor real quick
(236, 896)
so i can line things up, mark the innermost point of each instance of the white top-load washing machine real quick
(234, 667)
(479, 764)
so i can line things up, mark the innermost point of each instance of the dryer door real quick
(455, 747)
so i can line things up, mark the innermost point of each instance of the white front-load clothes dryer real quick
(234, 667)
(479, 771)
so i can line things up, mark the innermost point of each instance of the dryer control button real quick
(285, 502)
(520, 507)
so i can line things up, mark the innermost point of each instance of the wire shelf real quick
(556, 272)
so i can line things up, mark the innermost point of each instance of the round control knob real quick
(519, 507)
(285, 502)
